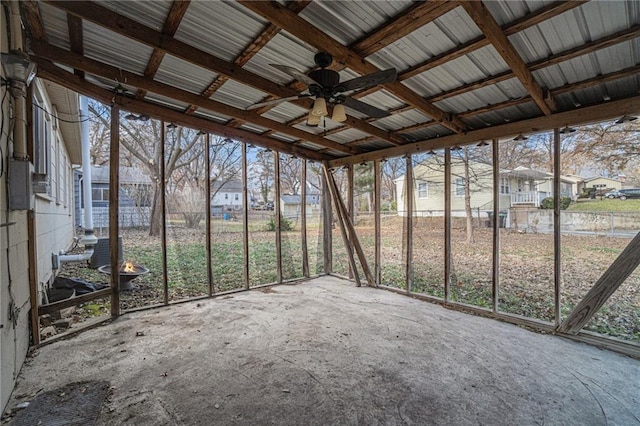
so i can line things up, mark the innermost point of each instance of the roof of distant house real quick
(228, 186)
(127, 175)
(601, 177)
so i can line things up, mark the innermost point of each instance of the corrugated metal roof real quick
(225, 29)
(220, 28)
(114, 49)
(184, 75)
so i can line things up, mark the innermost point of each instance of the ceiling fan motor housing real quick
(325, 78)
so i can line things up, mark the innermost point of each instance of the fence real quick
(618, 224)
(128, 217)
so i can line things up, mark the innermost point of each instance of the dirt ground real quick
(326, 352)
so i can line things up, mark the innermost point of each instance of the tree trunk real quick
(155, 218)
(467, 197)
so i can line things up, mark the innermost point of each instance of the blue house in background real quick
(135, 196)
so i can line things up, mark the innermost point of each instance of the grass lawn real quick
(526, 267)
(606, 205)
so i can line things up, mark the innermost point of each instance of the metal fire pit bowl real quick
(126, 277)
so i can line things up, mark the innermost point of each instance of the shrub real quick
(547, 203)
(285, 224)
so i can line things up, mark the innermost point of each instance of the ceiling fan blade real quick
(367, 109)
(369, 80)
(298, 75)
(276, 101)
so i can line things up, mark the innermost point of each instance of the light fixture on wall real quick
(431, 152)
(456, 148)
(520, 137)
(626, 119)
(20, 71)
(200, 133)
(172, 126)
(483, 143)
(566, 130)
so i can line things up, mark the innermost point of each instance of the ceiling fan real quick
(324, 85)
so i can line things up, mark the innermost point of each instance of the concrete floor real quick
(326, 352)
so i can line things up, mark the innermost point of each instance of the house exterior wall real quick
(14, 271)
(54, 210)
(606, 182)
(227, 199)
(432, 200)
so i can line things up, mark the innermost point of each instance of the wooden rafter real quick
(31, 12)
(590, 114)
(171, 24)
(76, 36)
(52, 53)
(416, 16)
(300, 28)
(70, 81)
(265, 36)
(540, 15)
(488, 25)
(122, 25)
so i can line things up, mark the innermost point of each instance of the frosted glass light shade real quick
(320, 107)
(313, 120)
(339, 114)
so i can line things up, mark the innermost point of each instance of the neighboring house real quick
(30, 239)
(227, 197)
(134, 200)
(601, 183)
(520, 186)
(290, 205)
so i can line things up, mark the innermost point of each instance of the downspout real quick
(20, 107)
(89, 240)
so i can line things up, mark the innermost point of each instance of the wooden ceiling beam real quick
(31, 12)
(527, 21)
(580, 116)
(61, 56)
(53, 73)
(416, 16)
(559, 57)
(568, 88)
(171, 24)
(76, 37)
(124, 26)
(292, 23)
(489, 26)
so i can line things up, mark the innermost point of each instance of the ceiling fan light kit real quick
(324, 85)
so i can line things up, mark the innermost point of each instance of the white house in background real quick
(53, 146)
(227, 196)
(601, 183)
(291, 205)
(518, 187)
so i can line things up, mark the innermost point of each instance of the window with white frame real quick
(236, 197)
(505, 185)
(100, 194)
(423, 190)
(459, 187)
(42, 143)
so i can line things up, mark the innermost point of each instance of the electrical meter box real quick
(20, 184)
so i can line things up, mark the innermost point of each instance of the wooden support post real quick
(163, 206)
(276, 202)
(355, 242)
(32, 250)
(207, 206)
(495, 273)
(327, 228)
(409, 194)
(447, 223)
(245, 218)
(557, 231)
(613, 277)
(303, 219)
(350, 202)
(377, 208)
(114, 207)
(340, 213)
